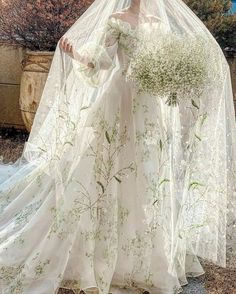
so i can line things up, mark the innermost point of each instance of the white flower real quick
(175, 66)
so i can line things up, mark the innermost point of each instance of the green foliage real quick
(38, 24)
(217, 16)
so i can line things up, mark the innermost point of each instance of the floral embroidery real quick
(112, 184)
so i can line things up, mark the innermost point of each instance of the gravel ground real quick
(216, 280)
(11, 144)
(195, 286)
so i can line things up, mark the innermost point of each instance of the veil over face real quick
(200, 129)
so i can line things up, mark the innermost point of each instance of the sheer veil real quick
(204, 221)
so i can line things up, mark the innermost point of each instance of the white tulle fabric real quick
(117, 191)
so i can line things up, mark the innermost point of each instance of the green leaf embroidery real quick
(39, 269)
(161, 145)
(164, 181)
(84, 107)
(198, 137)
(118, 180)
(197, 226)
(194, 104)
(108, 137)
(101, 185)
(155, 202)
(42, 149)
(204, 117)
(194, 185)
(73, 124)
(68, 143)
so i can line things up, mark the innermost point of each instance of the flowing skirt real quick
(107, 218)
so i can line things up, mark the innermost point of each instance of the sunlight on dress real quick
(130, 196)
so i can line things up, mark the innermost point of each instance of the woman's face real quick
(135, 2)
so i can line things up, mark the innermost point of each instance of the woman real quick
(120, 187)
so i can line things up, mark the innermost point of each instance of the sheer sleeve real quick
(101, 56)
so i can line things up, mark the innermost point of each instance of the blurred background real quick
(233, 5)
(29, 32)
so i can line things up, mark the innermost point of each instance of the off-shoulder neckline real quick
(129, 24)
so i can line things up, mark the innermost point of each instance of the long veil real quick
(202, 224)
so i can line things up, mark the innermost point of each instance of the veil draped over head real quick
(68, 96)
(203, 160)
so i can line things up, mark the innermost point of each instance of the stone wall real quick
(231, 57)
(10, 76)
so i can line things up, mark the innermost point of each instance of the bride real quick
(128, 175)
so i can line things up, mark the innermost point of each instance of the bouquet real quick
(173, 66)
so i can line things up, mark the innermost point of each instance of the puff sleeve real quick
(101, 55)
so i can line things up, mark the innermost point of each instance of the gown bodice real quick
(127, 37)
(116, 47)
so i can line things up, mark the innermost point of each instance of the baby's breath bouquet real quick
(173, 66)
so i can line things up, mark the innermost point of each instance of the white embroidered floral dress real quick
(114, 231)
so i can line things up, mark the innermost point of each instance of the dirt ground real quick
(216, 281)
(219, 280)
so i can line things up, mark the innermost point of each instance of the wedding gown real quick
(110, 221)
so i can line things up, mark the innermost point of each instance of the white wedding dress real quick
(113, 220)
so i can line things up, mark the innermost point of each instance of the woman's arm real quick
(67, 47)
(102, 59)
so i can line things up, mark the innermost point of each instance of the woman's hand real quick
(66, 46)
